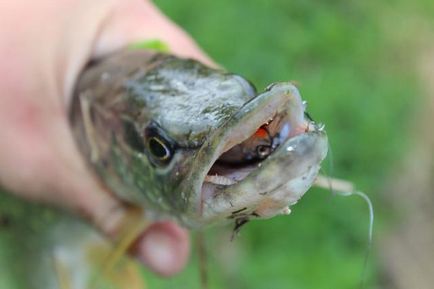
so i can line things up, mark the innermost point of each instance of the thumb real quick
(138, 20)
(162, 246)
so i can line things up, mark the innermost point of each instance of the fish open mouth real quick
(264, 159)
(240, 160)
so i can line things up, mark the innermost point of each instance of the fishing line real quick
(331, 166)
(346, 189)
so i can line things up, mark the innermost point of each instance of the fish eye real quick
(159, 149)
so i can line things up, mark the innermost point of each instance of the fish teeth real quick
(219, 180)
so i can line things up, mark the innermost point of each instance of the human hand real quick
(44, 45)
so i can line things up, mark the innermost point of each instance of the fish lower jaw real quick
(259, 204)
(270, 187)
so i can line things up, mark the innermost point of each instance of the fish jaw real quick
(266, 188)
(278, 182)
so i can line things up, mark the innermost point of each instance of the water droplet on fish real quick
(177, 174)
(290, 149)
(286, 211)
(259, 165)
(304, 104)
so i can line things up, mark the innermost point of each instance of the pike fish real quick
(181, 140)
(195, 143)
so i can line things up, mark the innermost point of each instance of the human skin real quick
(43, 47)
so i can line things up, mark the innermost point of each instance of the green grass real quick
(354, 63)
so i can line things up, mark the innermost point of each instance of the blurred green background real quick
(355, 63)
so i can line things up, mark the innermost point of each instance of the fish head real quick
(193, 142)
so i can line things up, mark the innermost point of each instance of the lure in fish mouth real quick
(195, 143)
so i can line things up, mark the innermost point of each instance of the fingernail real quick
(158, 251)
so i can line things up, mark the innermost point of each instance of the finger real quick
(164, 247)
(138, 20)
(117, 24)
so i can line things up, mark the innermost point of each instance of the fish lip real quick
(277, 97)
